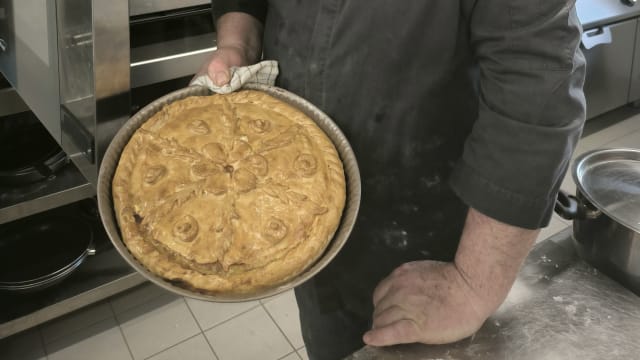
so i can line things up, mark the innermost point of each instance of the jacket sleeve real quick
(256, 8)
(531, 108)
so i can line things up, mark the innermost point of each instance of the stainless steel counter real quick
(559, 308)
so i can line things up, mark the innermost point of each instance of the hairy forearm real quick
(489, 257)
(241, 31)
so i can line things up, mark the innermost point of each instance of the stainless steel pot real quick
(606, 212)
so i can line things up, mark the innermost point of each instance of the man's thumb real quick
(400, 332)
(220, 78)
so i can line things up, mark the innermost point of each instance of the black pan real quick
(41, 251)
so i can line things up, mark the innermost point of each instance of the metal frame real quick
(95, 86)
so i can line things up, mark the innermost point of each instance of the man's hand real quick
(427, 302)
(218, 65)
(435, 303)
(239, 39)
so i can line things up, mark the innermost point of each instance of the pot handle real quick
(571, 208)
(567, 206)
(91, 249)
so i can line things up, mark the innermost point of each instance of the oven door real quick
(170, 44)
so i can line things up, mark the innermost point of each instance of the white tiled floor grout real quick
(121, 332)
(174, 345)
(627, 130)
(289, 354)
(278, 326)
(231, 318)
(250, 335)
(201, 330)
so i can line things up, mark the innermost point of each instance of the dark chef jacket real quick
(446, 103)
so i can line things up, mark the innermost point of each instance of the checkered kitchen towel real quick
(264, 72)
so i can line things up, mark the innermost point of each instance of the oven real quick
(81, 68)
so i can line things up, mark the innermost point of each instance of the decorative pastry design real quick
(228, 193)
(306, 165)
(199, 127)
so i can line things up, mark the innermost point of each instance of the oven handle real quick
(596, 37)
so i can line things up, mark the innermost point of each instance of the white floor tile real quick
(609, 134)
(101, 341)
(556, 225)
(209, 314)
(26, 345)
(136, 296)
(284, 310)
(631, 140)
(75, 321)
(156, 325)
(195, 348)
(252, 335)
(293, 356)
(303, 354)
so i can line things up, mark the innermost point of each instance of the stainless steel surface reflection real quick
(559, 308)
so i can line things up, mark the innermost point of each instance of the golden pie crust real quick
(228, 193)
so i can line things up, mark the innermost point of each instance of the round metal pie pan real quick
(352, 204)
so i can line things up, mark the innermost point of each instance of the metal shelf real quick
(66, 187)
(99, 277)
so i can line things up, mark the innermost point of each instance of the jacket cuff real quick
(497, 202)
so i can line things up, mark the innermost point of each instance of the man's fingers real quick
(403, 331)
(388, 316)
(396, 277)
(391, 298)
(381, 290)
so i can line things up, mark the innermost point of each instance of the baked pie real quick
(228, 193)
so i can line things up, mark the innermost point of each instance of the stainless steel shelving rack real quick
(72, 64)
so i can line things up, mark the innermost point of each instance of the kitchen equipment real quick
(606, 212)
(53, 246)
(83, 67)
(30, 154)
(610, 46)
(352, 175)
